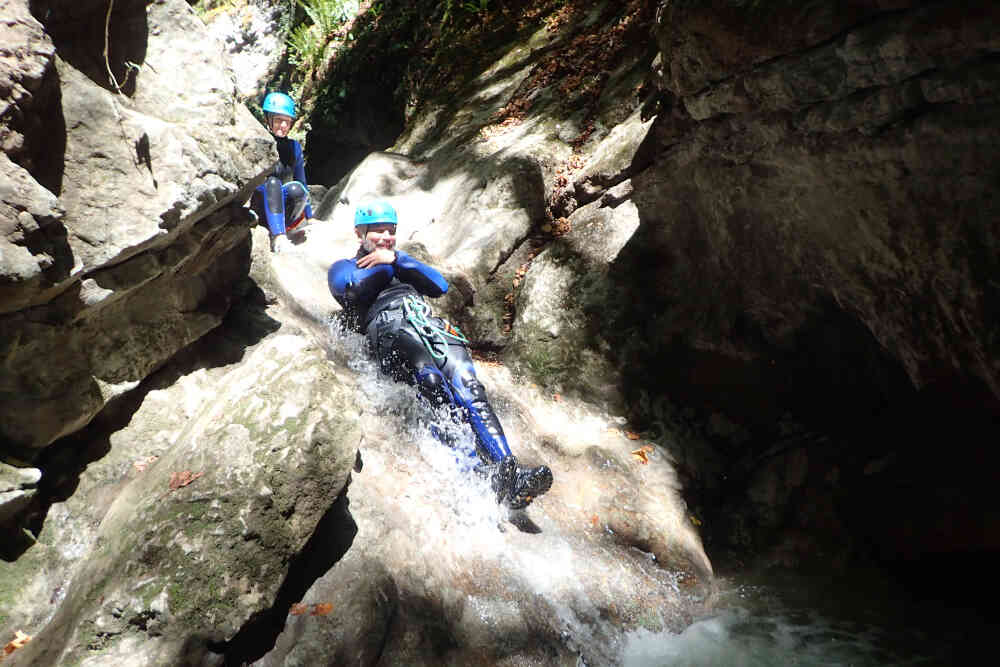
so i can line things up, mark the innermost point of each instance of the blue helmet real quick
(279, 103)
(374, 212)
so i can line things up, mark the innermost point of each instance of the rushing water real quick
(859, 621)
(862, 619)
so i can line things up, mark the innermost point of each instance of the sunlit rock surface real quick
(117, 243)
(252, 35)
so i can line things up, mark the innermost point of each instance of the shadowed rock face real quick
(817, 235)
(847, 173)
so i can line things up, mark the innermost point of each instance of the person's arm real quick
(300, 176)
(351, 286)
(426, 279)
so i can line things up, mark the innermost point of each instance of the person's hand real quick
(282, 244)
(376, 257)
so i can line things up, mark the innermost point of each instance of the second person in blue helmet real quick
(282, 200)
(382, 292)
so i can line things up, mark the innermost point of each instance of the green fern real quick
(303, 46)
(476, 6)
(307, 41)
(326, 15)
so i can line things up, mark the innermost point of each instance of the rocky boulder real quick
(187, 526)
(253, 34)
(118, 243)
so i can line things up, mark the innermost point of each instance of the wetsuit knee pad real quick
(433, 385)
(274, 204)
(273, 194)
(296, 199)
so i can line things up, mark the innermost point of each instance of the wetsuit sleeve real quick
(352, 286)
(300, 175)
(426, 280)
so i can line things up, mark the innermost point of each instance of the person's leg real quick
(272, 201)
(257, 205)
(470, 397)
(515, 485)
(296, 198)
(402, 355)
(451, 380)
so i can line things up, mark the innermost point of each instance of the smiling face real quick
(279, 124)
(378, 235)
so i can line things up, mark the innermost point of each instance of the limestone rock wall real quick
(814, 157)
(118, 245)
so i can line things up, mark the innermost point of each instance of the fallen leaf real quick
(594, 520)
(322, 609)
(298, 609)
(556, 397)
(183, 478)
(20, 639)
(641, 455)
(695, 520)
(632, 435)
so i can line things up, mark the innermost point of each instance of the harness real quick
(417, 313)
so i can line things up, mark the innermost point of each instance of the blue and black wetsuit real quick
(375, 303)
(282, 198)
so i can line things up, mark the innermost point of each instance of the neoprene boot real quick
(516, 485)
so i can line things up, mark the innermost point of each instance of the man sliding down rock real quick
(381, 290)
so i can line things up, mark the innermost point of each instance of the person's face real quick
(379, 235)
(280, 124)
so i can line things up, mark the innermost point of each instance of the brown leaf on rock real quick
(298, 609)
(632, 435)
(642, 454)
(322, 609)
(20, 639)
(183, 478)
